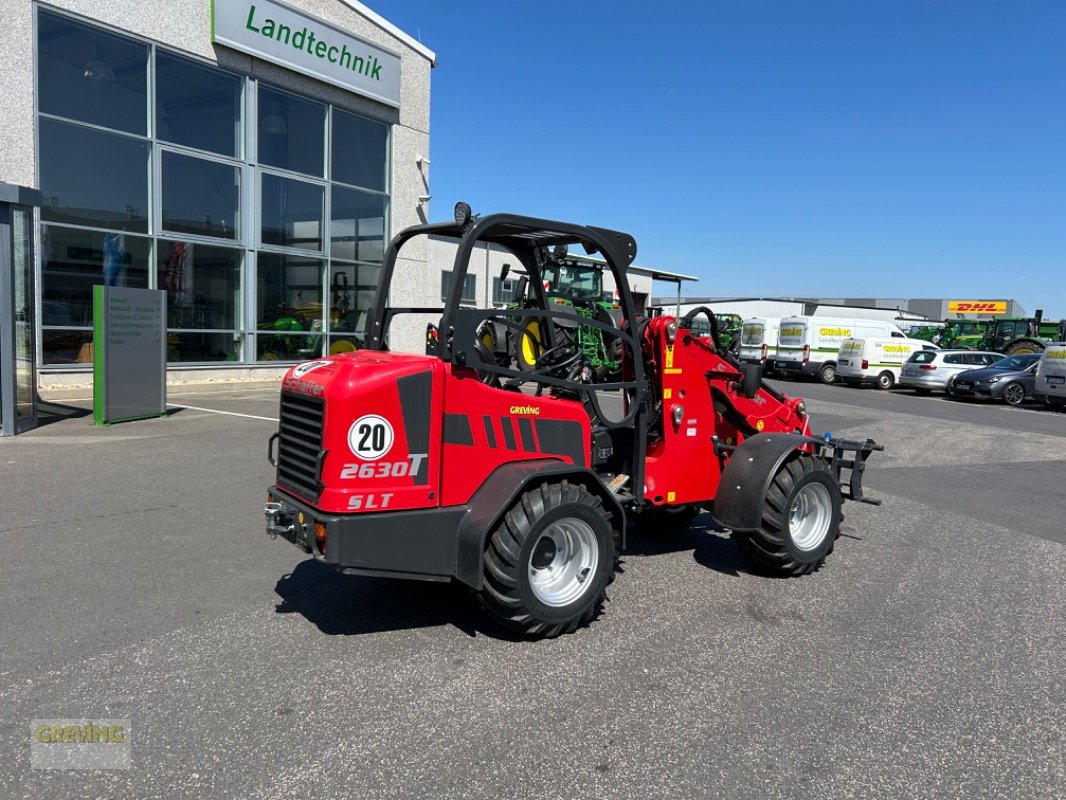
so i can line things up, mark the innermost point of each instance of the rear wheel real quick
(800, 519)
(548, 562)
(1014, 394)
(529, 346)
(828, 373)
(1024, 347)
(886, 380)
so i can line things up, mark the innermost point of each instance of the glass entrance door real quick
(23, 296)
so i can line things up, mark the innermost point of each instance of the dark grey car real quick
(1010, 379)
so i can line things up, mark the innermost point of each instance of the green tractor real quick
(1013, 335)
(579, 287)
(729, 326)
(962, 334)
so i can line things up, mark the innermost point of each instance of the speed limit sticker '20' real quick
(370, 437)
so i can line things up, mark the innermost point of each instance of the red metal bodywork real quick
(687, 374)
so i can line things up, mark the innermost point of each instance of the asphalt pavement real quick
(924, 660)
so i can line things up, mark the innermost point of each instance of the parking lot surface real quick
(924, 660)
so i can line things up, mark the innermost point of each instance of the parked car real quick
(1010, 379)
(930, 370)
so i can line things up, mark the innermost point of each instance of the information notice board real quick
(129, 354)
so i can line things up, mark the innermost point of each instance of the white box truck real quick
(808, 346)
(758, 340)
(1049, 384)
(876, 360)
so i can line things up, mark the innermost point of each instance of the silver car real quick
(929, 370)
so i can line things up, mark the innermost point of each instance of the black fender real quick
(499, 491)
(747, 476)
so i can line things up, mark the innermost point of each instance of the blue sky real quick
(873, 148)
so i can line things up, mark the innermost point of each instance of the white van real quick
(876, 360)
(758, 340)
(1049, 383)
(809, 345)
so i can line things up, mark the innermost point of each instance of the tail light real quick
(927, 367)
(806, 353)
(865, 364)
(762, 353)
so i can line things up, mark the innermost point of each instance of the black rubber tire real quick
(506, 592)
(772, 546)
(1014, 394)
(666, 519)
(528, 346)
(1024, 346)
(828, 374)
(886, 380)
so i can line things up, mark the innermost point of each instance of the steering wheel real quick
(486, 355)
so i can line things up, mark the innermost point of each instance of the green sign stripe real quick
(99, 339)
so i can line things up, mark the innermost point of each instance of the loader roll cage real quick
(534, 243)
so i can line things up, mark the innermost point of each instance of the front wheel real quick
(1014, 394)
(800, 519)
(827, 374)
(548, 562)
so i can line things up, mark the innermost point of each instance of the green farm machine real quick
(1011, 335)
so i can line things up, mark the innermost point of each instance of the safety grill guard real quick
(300, 452)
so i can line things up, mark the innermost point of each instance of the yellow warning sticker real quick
(759, 425)
(671, 371)
(667, 394)
(670, 496)
(669, 356)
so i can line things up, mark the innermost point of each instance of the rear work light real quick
(806, 353)
(927, 367)
(865, 364)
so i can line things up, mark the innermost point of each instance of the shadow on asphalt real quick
(349, 605)
(49, 412)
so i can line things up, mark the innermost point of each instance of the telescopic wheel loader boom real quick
(450, 466)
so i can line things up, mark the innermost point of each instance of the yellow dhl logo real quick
(1055, 355)
(834, 332)
(531, 411)
(977, 307)
(792, 331)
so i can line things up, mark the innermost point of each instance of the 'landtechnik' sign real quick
(274, 32)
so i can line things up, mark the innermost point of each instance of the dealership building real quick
(250, 157)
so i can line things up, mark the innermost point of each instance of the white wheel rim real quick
(563, 561)
(810, 516)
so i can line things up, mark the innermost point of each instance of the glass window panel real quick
(289, 306)
(197, 106)
(291, 132)
(200, 196)
(469, 293)
(93, 178)
(203, 285)
(67, 347)
(359, 149)
(357, 225)
(351, 292)
(73, 261)
(90, 75)
(292, 213)
(202, 346)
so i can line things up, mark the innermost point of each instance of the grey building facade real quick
(251, 158)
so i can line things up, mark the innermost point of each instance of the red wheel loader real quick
(452, 466)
